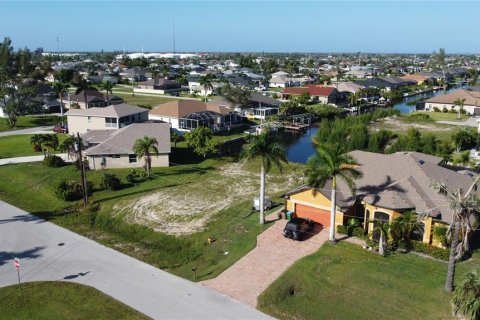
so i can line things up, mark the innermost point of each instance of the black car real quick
(297, 228)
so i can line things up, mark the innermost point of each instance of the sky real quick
(244, 26)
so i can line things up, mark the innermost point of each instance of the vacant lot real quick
(20, 146)
(347, 282)
(190, 204)
(61, 300)
(29, 122)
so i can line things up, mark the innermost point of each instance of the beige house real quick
(104, 118)
(471, 104)
(114, 149)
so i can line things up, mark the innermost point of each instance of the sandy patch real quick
(186, 208)
(394, 124)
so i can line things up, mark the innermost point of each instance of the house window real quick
(114, 156)
(132, 158)
(111, 122)
(139, 116)
(89, 119)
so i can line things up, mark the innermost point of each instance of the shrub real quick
(462, 111)
(432, 251)
(70, 190)
(444, 110)
(342, 229)
(110, 182)
(359, 233)
(419, 117)
(436, 109)
(136, 175)
(53, 161)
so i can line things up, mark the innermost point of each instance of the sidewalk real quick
(34, 130)
(31, 159)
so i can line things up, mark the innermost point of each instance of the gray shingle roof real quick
(121, 141)
(113, 111)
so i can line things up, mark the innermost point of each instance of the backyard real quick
(344, 281)
(61, 300)
(186, 205)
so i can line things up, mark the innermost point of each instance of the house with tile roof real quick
(186, 115)
(391, 184)
(471, 103)
(104, 118)
(318, 93)
(114, 149)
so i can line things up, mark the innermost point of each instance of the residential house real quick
(114, 149)
(318, 93)
(391, 185)
(160, 86)
(186, 115)
(447, 101)
(348, 87)
(94, 99)
(134, 74)
(104, 118)
(418, 78)
(258, 107)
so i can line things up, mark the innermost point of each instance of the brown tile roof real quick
(121, 141)
(472, 98)
(400, 181)
(181, 108)
(312, 89)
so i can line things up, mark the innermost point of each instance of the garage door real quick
(315, 214)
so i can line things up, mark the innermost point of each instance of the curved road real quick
(49, 252)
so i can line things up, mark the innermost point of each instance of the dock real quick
(296, 127)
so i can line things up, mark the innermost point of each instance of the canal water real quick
(300, 146)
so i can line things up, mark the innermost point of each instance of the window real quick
(89, 119)
(115, 156)
(132, 158)
(111, 122)
(139, 116)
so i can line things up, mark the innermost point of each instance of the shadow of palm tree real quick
(373, 190)
(27, 254)
(23, 218)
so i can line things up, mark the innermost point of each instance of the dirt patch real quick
(186, 208)
(397, 124)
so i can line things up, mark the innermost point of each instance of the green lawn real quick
(143, 100)
(25, 122)
(441, 116)
(29, 186)
(347, 282)
(61, 300)
(20, 146)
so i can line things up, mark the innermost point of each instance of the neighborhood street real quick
(34, 130)
(49, 252)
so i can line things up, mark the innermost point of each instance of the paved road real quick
(30, 159)
(48, 252)
(33, 130)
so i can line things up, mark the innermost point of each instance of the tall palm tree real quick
(60, 88)
(108, 87)
(328, 163)
(144, 148)
(36, 140)
(466, 301)
(381, 227)
(464, 206)
(206, 83)
(271, 152)
(460, 103)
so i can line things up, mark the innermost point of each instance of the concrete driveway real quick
(49, 252)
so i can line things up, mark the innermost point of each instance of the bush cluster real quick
(70, 190)
(432, 251)
(53, 161)
(136, 175)
(110, 182)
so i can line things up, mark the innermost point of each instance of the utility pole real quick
(78, 146)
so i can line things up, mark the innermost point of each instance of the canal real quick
(300, 146)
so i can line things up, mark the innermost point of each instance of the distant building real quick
(159, 86)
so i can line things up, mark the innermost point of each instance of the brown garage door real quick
(315, 214)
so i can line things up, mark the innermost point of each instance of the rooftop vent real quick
(421, 161)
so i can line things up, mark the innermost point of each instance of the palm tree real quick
(462, 138)
(352, 99)
(108, 87)
(155, 73)
(206, 83)
(405, 224)
(60, 89)
(460, 103)
(50, 141)
(144, 148)
(381, 227)
(328, 163)
(466, 301)
(175, 137)
(464, 206)
(68, 146)
(271, 152)
(36, 140)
